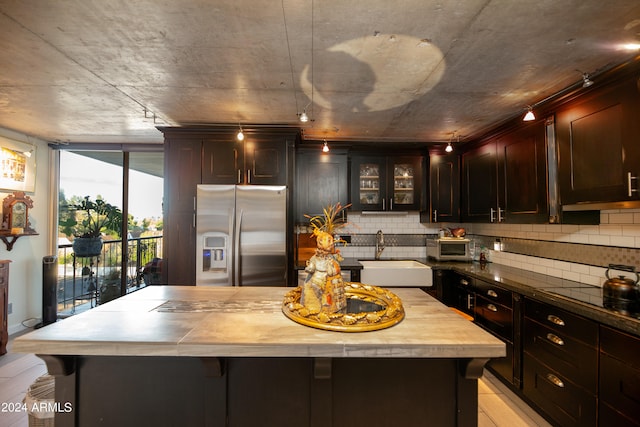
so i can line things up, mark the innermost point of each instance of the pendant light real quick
(529, 116)
(325, 147)
(240, 134)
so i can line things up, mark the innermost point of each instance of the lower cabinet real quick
(560, 364)
(619, 392)
(573, 370)
(495, 310)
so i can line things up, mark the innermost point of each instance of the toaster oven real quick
(449, 249)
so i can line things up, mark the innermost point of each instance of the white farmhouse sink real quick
(396, 274)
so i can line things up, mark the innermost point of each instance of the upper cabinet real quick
(444, 188)
(256, 160)
(599, 153)
(321, 180)
(386, 183)
(505, 180)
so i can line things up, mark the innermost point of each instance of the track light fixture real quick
(303, 117)
(240, 134)
(586, 81)
(529, 116)
(449, 147)
(325, 147)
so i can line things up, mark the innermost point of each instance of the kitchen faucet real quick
(379, 243)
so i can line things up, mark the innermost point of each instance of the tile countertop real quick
(576, 297)
(248, 322)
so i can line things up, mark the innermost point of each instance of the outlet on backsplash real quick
(10, 308)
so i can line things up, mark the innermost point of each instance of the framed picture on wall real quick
(17, 166)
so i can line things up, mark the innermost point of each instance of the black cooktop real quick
(593, 295)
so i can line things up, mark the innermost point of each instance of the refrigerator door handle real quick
(238, 261)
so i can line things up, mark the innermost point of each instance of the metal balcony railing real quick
(96, 280)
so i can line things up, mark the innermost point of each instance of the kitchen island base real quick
(209, 391)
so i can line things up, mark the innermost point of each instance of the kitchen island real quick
(210, 356)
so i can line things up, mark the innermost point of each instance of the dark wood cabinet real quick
(460, 294)
(496, 310)
(505, 180)
(182, 175)
(386, 183)
(4, 305)
(223, 162)
(560, 364)
(256, 160)
(444, 188)
(321, 180)
(522, 175)
(599, 157)
(480, 184)
(619, 403)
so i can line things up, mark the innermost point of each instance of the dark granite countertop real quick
(579, 298)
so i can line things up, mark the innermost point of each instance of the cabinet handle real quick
(435, 215)
(500, 216)
(555, 339)
(492, 293)
(464, 282)
(555, 380)
(492, 307)
(630, 178)
(248, 176)
(239, 177)
(469, 301)
(555, 320)
(492, 217)
(390, 203)
(383, 205)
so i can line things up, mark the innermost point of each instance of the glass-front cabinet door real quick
(404, 191)
(368, 183)
(385, 183)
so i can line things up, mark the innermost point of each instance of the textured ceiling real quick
(370, 70)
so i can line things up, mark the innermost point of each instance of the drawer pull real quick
(492, 293)
(555, 320)
(464, 282)
(555, 339)
(555, 380)
(492, 307)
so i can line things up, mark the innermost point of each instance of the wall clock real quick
(15, 213)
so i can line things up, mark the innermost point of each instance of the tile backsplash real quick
(573, 252)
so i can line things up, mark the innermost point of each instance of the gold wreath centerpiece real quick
(325, 301)
(382, 309)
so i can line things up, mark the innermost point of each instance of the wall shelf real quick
(9, 239)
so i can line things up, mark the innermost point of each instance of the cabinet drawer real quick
(569, 357)
(494, 293)
(495, 317)
(563, 322)
(564, 402)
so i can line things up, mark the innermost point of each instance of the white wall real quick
(25, 270)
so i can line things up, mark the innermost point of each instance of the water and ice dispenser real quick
(214, 251)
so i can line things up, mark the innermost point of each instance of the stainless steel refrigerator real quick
(241, 235)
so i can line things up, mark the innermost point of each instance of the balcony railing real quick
(96, 280)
